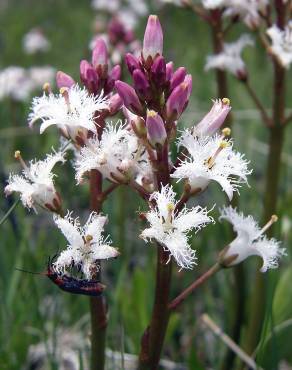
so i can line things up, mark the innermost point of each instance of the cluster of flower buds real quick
(118, 33)
(96, 76)
(159, 94)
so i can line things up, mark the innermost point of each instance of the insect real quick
(70, 284)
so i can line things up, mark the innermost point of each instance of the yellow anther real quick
(88, 238)
(47, 87)
(223, 144)
(17, 154)
(170, 207)
(274, 218)
(63, 90)
(226, 101)
(151, 113)
(226, 131)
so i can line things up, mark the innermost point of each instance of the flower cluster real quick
(137, 153)
(35, 42)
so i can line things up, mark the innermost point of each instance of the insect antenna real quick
(29, 272)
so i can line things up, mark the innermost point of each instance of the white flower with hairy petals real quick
(282, 43)
(230, 58)
(211, 158)
(36, 185)
(73, 111)
(118, 155)
(15, 83)
(170, 228)
(86, 245)
(250, 240)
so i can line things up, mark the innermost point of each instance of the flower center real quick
(167, 223)
(64, 92)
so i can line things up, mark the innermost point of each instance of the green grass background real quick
(31, 308)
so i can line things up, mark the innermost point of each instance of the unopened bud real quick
(153, 38)
(64, 80)
(156, 133)
(129, 97)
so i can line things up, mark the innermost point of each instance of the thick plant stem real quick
(276, 141)
(98, 311)
(153, 337)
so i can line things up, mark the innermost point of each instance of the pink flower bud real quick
(113, 76)
(129, 97)
(178, 77)
(158, 71)
(177, 101)
(64, 80)
(189, 81)
(153, 38)
(89, 76)
(115, 104)
(99, 53)
(141, 84)
(156, 133)
(132, 62)
(169, 71)
(214, 119)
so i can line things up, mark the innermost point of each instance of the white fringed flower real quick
(211, 158)
(170, 229)
(36, 185)
(282, 43)
(118, 155)
(86, 244)
(73, 111)
(230, 58)
(249, 11)
(250, 241)
(35, 41)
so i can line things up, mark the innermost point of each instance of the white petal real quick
(70, 229)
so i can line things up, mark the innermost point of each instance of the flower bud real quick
(99, 53)
(178, 77)
(132, 62)
(177, 101)
(115, 104)
(156, 133)
(64, 80)
(141, 84)
(158, 71)
(113, 76)
(214, 119)
(153, 38)
(89, 77)
(169, 71)
(129, 97)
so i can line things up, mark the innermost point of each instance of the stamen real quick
(88, 238)
(47, 88)
(211, 161)
(170, 209)
(274, 218)
(17, 155)
(64, 92)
